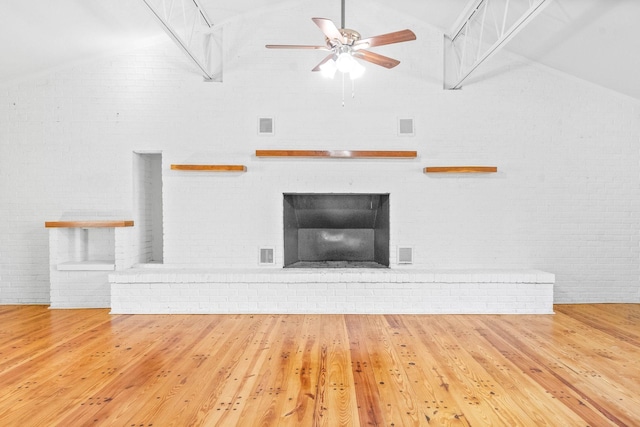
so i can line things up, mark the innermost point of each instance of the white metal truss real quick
(482, 29)
(188, 25)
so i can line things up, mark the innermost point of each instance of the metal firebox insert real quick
(336, 230)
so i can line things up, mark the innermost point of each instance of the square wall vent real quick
(266, 256)
(405, 255)
(405, 127)
(266, 126)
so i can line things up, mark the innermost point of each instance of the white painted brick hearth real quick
(166, 290)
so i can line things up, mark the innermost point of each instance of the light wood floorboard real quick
(579, 367)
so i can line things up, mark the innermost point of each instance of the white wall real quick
(565, 199)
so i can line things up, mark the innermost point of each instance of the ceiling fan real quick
(346, 44)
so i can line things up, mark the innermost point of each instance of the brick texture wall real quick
(565, 199)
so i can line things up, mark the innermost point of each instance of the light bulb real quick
(328, 69)
(357, 70)
(345, 62)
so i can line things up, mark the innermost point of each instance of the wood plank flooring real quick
(579, 367)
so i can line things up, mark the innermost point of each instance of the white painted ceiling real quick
(594, 40)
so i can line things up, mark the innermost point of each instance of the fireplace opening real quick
(336, 230)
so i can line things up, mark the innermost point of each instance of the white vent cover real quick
(266, 256)
(265, 126)
(405, 255)
(405, 127)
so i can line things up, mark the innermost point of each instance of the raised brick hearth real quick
(371, 291)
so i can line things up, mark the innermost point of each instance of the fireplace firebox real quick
(336, 230)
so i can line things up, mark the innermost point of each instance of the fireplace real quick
(336, 230)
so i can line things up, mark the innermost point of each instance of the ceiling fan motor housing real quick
(350, 36)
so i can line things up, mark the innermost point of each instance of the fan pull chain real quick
(342, 90)
(353, 88)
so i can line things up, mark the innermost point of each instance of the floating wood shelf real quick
(210, 168)
(461, 169)
(338, 154)
(88, 224)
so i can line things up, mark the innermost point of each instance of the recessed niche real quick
(84, 244)
(86, 248)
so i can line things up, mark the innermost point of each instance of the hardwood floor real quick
(579, 367)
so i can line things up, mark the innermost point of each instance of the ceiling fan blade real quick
(381, 40)
(376, 58)
(295, 46)
(329, 29)
(325, 60)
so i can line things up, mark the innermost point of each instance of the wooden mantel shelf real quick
(210, 168)
(461, 169)
(338, 154)
(88, 224)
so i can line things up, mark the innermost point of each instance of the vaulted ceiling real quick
(594, 40)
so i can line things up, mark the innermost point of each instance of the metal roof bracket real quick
(187, 23)
(482, 29)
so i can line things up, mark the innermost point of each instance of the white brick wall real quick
(565, 199)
